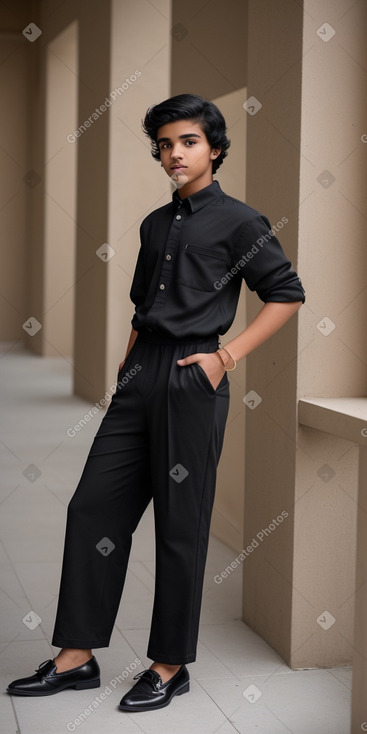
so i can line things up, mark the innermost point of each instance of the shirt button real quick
(168, 257)
(178, 216)
(162, 286)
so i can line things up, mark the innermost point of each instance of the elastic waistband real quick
(148, 335)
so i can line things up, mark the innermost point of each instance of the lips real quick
(177, 168)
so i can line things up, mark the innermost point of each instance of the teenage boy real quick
(163, 432)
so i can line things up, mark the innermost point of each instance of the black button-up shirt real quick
(194, 254)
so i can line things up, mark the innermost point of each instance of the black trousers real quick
(161, 439)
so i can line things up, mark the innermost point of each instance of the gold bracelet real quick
(227, 369)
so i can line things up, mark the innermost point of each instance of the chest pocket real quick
(200, 267)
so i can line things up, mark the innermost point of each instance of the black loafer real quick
(47, 681)
(151, 693)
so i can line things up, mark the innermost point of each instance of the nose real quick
(175, 151)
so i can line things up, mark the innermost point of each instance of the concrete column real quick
(90, 335)
(17, 187)
(273, 164)
(60, 199)
(305, 162)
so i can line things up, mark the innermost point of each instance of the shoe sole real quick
(184, 689)
(81, 685)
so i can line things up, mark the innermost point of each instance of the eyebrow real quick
(187, 135)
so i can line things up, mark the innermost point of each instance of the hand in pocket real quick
(210, 363)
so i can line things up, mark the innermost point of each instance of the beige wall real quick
(333, 252)
(90, 366)
(272, 188)
(51, 228)
(306, 565)
(60, 192)
(15, 58)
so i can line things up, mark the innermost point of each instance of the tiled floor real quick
(37, 410)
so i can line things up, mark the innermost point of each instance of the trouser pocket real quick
(205, 379)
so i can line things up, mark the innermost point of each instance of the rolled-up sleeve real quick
(264, 265)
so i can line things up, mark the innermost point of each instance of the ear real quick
(215, 152)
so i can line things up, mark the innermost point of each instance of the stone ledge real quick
(343, 417)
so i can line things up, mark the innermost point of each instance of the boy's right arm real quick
(131, 342)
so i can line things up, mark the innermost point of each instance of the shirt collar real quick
(196, 201)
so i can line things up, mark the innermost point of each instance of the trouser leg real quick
(110, 498)
(166, 416)
(186, 419)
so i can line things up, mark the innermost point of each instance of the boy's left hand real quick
(210, 362)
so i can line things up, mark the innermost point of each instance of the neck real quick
(193, 186)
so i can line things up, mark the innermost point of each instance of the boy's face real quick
(186, 155)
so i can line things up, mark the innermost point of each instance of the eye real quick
(191, 141)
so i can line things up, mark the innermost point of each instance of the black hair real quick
(188, 107)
